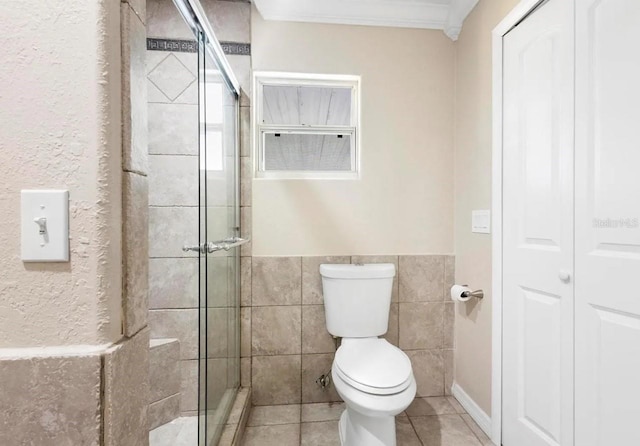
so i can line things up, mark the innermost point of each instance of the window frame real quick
(268, 78)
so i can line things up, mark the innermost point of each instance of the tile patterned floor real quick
(435, 421)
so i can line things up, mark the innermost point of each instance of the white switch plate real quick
(53, 245)
(481, 221)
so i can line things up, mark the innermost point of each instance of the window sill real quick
(301, 175)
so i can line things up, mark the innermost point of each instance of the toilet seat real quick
(373, 366)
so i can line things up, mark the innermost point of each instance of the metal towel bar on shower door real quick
(208, 248)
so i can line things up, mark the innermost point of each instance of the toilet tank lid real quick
(358, 271)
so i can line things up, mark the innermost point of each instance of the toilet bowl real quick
(376, 382)
(373, 377)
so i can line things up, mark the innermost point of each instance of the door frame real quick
(517, 14)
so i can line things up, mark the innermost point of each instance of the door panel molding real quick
(607, 233)
(533, 242)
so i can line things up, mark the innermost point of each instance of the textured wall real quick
(67, 83)
(403, 204)
(473, 191)
(60, 114)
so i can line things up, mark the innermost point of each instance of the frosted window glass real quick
(307, 152)
(306, 105)
(214, 155)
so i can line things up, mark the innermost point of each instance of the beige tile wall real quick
(135, 167)
(125, 370)
(246, 177)
(125, 365)
(285, 344)
(171, 79)
(173, 212)
(50, 400)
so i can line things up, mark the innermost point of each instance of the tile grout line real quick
(444, 367)
(195, 79)
(301, 331)
(398, 296)
(142, 22)
(149, 71)
(251, 326)
(300, 413)
(471, 428)
(414, 430)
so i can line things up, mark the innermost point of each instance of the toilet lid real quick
(373, 366)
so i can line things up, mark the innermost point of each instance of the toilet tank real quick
(357, 298)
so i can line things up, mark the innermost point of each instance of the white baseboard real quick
(479, 416)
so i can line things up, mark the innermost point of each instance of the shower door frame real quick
(196, 18)
(194, 15)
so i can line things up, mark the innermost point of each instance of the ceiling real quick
(446, 15)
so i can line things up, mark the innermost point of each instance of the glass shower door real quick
(220, 254)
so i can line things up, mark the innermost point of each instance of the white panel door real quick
(538, 228)
(607, 225)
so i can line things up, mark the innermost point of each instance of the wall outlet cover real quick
(481, 221)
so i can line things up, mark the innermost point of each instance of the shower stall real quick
(219, 239)
(194, 208)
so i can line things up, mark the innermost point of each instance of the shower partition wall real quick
(219, 241)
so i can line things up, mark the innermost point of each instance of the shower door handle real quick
(226, 244)
(220, 245)
(201, 248)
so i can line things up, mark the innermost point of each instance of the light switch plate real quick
(45, 225)
(481, 221)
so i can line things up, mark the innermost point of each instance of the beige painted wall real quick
(60, 115)
(473, 191)
(403, 204)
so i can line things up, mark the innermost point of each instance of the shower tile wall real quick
(173, 182)
(285, 344)
(173, 200)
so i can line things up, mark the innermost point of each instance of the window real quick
(306, 126)
(213, 159)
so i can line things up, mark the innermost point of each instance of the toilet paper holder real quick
(479, 294)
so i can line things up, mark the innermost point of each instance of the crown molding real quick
(458, 11)
(446, 15)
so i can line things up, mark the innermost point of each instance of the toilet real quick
(373, 377)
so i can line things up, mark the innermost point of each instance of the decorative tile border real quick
(178, 46)
(236, 48)
(191, 46)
